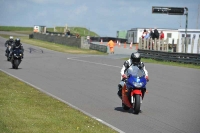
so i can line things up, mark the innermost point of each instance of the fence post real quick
(148, 44)
(144, 40)
(158, 48)
(198, 46)
(140, 43)
(192, 45)
(177, 46)
(183, 44)
(151, 41)
(187, 42)
(167, 45)
(155, 43)
(162, 44)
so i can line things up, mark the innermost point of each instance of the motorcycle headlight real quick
(138, 85)
(14, 54)
(20, 54)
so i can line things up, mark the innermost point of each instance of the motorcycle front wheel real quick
(137, 104)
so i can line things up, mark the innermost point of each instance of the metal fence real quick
(165, 45)
(171, 56)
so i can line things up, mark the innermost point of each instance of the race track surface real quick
(89, 83)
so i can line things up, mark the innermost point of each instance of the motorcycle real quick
(16, 58)
(132, 89)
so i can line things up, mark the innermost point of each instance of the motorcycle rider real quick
(135, 61)
(16, 44)
(8, 43)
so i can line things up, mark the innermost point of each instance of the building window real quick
(183, 35)
(169, 35)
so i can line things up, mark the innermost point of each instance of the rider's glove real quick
(147, 78)
(124, 76)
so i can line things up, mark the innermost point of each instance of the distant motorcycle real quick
(132, 90)
(16, 58)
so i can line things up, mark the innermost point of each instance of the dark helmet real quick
(17, 42)
(135, 58)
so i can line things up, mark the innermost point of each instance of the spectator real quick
(68, 33)
(151, 34)
(88, 39)
(147, 35)
(156, 34)
(162, 35)
(144, 33)
(77, 35)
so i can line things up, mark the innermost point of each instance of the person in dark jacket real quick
(156, 33)
(16, 44)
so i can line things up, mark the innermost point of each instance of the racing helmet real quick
(17, 41)
(135, 58)
(11, 38)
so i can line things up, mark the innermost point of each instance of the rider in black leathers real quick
(8, 43)
(15, 45)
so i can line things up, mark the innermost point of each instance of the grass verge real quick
(55, 47)
(27, 110)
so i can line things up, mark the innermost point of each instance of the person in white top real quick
(135, 61)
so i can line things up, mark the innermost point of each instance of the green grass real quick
(56, 47)
(24, 109)
(145, 60)
(80, 30)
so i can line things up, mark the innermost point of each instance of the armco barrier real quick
(170, 56)
(70, 41)
(97, 47)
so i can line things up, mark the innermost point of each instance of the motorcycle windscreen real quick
(135, 72)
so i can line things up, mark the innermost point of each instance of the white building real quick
(134, 34)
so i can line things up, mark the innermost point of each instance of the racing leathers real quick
(8, 44)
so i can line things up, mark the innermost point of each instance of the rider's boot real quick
(119, 93)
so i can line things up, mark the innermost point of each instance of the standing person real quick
(156, 33)
(88, 39)
(68, 33)
(144, 33)
(151, 34)
(162, 35)
(111, 46)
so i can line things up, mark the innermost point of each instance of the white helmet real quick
(11, 38)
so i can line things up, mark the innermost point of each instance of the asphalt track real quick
(89, 83)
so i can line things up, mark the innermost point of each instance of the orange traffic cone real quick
(124, 44)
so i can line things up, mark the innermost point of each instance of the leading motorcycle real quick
(132, 90)
(16, 58)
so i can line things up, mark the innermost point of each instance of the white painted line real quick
(118, 130)
(93, 62)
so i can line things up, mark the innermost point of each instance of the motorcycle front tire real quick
(137, 104)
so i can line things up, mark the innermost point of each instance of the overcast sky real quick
(104, 17)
